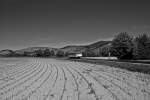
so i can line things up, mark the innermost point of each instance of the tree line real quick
(124, 46)
(127, 47)
(44, 53)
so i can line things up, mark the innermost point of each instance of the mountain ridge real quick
(69, 48)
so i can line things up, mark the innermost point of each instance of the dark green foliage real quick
(105, 51)
(60, 53)
(39, 53)
(88, 53)
(122, 46)
(25, 54)
(47, 53)
(66, 54)
(52, 53)
(142, 47)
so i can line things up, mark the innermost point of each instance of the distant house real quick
(75, 55)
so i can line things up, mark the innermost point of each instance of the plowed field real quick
(50, 79)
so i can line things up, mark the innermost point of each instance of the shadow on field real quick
(135, 66)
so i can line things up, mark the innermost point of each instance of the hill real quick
(98, 44)
(94, 47)
(73, 48)
(6, 52)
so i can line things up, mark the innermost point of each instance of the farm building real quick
(75, 55)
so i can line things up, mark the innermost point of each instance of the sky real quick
(56, 23)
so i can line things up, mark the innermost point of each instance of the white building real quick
(75, 55)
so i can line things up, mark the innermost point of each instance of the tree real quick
(60, 53)
(142, 47)
(39, 53)
(122, 46)
(88, 53)
(52, 53)
(25, 54)
(105, 51)
(66, 54)
(47, 53)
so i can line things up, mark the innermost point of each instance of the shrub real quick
(39, 53)
(47, 53)
(25, 54)
(105, 51)
(52, 53)
(88, 53)
(60, 54)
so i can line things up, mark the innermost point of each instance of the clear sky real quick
(55, 23)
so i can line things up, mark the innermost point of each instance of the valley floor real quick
(50, 79)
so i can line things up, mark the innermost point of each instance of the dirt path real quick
(50, 79)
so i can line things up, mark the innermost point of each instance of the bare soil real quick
(51, 79)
